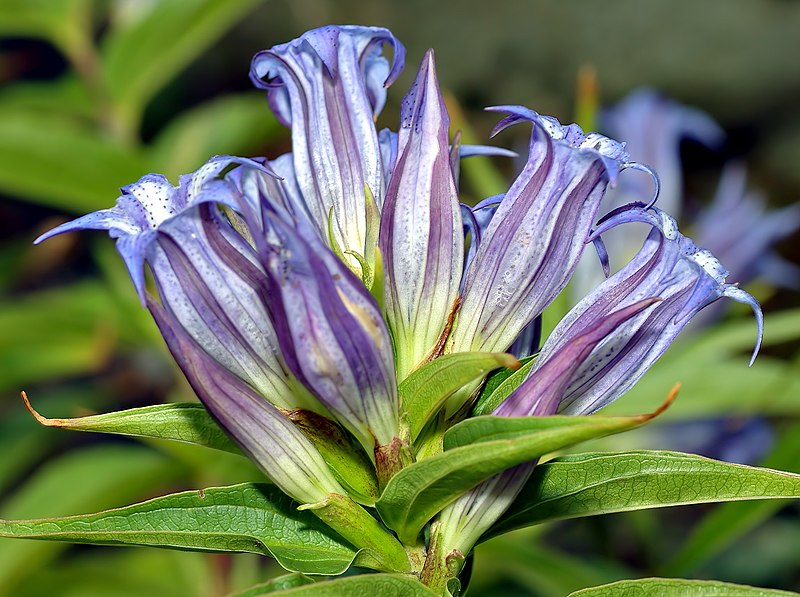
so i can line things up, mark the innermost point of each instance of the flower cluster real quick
(310, 286)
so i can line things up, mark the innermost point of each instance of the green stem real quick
(380, 550)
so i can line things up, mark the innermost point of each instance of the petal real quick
(332, 334)
(263, 433)
(669, 266)
(421, 237)
(534, 239)
(147, 204)
(329, 85)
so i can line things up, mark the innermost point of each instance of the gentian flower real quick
(738, 228)
(535, 235)
(421, 237)
(329, 86)
(603, 346)
(322, 279)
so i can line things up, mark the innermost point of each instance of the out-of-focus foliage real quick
(127, 89)
(68, 141)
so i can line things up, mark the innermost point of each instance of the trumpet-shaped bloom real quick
(421, 238)
(264, 272)
(738, 228)
(601, 349)
(464, 521)
(261, 430)
(329, 86)
(669, 266)
(535, 237)
(332, 334)
(207, 275)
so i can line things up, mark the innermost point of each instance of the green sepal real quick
(678, 587)
(346, 459)
(499, 386)
(254, 518)
(601, 483)
(379, 549)
(479, 448)
(427, 389)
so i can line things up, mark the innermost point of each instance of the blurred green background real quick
(95, 94)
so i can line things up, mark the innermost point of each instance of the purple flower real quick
(534, 239)
(329, 86)
(421, 238)
(207, 275)
(332, 335)
(741, 231)
(321, 279)
(463, 522)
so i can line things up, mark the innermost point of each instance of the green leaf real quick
(281, 583)
(140, 59)
(59, 162)
(183, 422)
(59, 21)
(426, 390)
(374, 585)
(254, 518)
(415, 494)
(235, 125)
(601, 483)
(90, 478)
(677, 587)
(729, 522)
(499, 385)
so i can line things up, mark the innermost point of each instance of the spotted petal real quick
(421, 238)
(669, 266)
(534, 239)
(329, 85)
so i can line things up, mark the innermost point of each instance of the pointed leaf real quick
(729, 522)
(183, 422)
(601, 483)
(281, 583)
(499, 385)
(374, 585)
(425, 391)
(415, 494)
(254, 518)
(678, 587)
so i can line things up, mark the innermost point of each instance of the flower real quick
(421, 231)
(329, 85)
(537, 232)
(603, 346)
(321, 279)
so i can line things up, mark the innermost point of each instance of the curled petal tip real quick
(654, 176)
(733, 292)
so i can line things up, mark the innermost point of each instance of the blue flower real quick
(320, 279)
